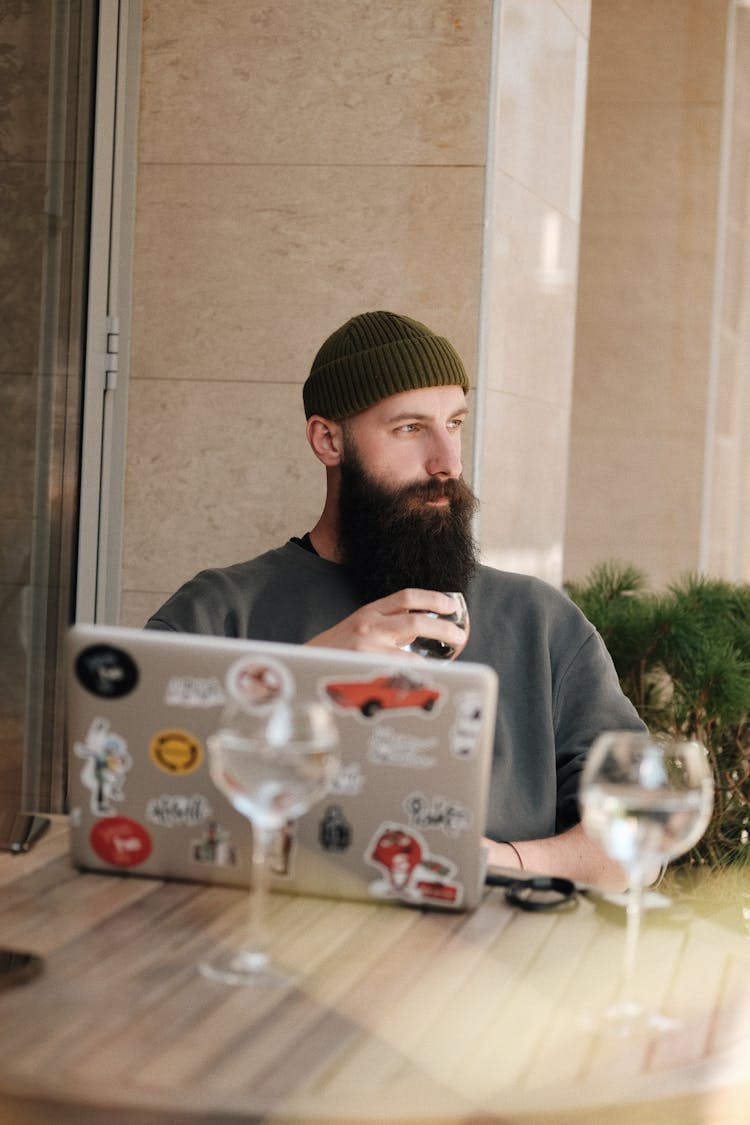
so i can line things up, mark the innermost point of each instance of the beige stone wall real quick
(298, 163)
(302, 162)
(648, 235)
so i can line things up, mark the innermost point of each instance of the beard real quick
(390, 539)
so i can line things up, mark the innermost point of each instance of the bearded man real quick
(385, 402)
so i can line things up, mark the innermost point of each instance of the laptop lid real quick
(405, 813)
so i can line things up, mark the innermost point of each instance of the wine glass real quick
(438, 650)
(273, 767)
(645, 799)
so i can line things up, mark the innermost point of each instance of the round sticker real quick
(120, 841)
(256, 684)
(176, 751)
(106, 671)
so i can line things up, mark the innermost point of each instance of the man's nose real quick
(444, 459)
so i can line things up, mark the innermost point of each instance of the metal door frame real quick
(105, 394)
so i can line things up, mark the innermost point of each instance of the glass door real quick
(47, 75)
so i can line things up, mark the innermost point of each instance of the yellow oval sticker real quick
(176, 751)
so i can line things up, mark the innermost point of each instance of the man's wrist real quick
(517, 855)
(501, 853)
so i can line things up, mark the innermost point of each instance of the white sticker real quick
(438, 812)
(106, 762)
(468, 724)
(194, 691)
(391, 747)
(348, 781)
(215, 847)
(175, 810)
(257, 683)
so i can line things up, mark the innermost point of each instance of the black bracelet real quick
(542, 892)
(515, 849)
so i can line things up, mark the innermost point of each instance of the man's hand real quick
(390, 623)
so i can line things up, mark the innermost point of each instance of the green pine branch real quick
(683, 659)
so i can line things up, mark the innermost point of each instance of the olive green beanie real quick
(376, 355)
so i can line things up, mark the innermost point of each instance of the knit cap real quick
(373, 356)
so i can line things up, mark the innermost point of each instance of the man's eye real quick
(456, 423)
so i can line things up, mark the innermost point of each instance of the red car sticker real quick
(383, 693)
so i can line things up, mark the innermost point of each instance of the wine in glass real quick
(435, 649)
(273, 767)
(645, 800)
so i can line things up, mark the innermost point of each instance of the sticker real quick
(106, 671)
(257, 684)
(438, 812)
(396, 748)
(383, 693)
(177, 810)
(215, 847)
(106, 762)
(194, 691)
(334, 831)
(468, 725)
(281, 849)
(120, 841)
(348, 780)
(409, 871)
(176, 751)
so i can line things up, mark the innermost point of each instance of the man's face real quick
(404, 512)
(410, 437)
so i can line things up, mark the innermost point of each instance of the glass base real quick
(246, 968)
(627, 1018)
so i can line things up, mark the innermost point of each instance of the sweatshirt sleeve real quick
(588, 700)
(204, 605)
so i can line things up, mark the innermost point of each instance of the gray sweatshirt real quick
(558, 686)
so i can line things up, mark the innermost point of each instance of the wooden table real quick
(402, 1016)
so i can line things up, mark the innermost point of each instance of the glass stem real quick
(256, 944)
(633, 914)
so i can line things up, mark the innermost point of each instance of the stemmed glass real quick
(645, 800)
(438, 650)
(273, 767)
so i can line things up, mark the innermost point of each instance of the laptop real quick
(404, 814)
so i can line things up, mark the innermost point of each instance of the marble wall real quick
(530, 283)
(302, 162)
(647, 260)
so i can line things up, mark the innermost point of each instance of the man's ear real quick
(326, 440)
